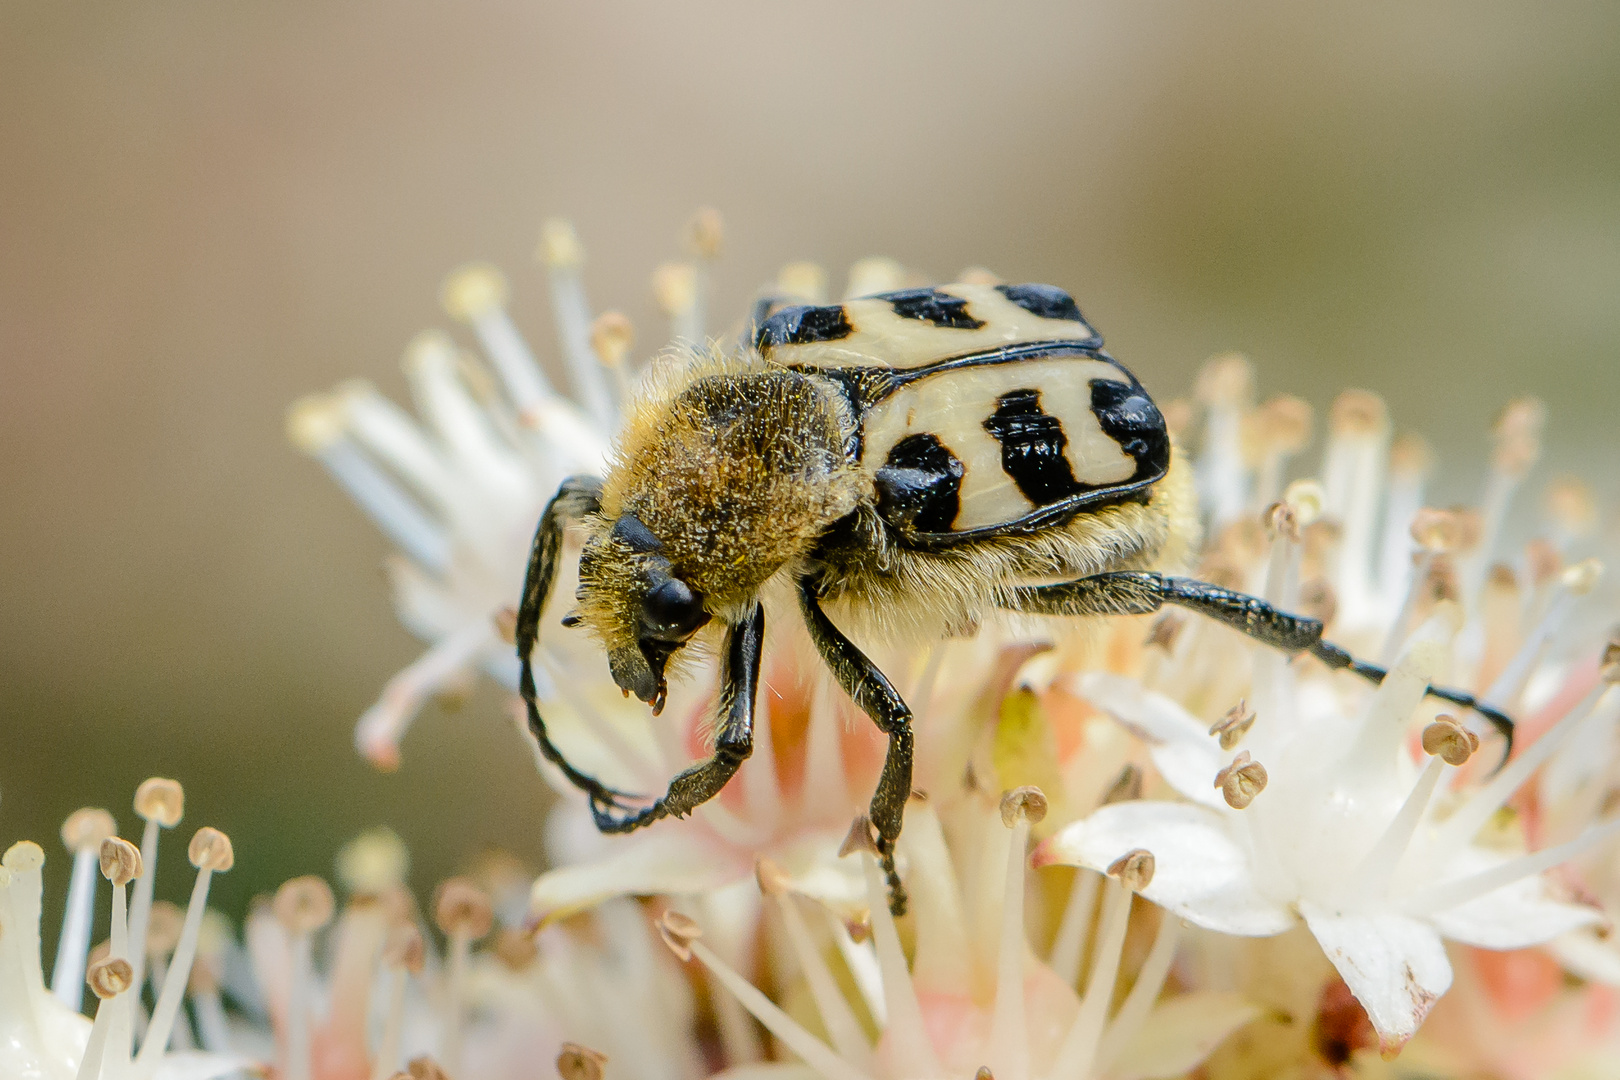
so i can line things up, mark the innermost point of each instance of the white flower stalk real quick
(41, 1036)
(1330, 814)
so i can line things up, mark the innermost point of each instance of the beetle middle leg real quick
(699, 783)
(870, 689)
(1140, 593)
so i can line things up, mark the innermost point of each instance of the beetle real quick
(914, 459)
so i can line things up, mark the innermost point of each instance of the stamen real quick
(675, 288)
(1383, 723)
(611, 339)
(854, 941)
(207, 971)
(1572, 509)
(1241, 781)
(1453, 893)
(476, 294)
(1226, 387)
(1078, 1052)
(1234, 725)
(25, 887)
(836, 1015)
(1517, 435)
(905, 1023)
(872, 275)
(210, 852)
(315, 426)
(302, 906)
(1138, 1004)
(1448, 740)
(705, 234)
(1352, 475)
(160, 802)
(1070, 944)
(762, 791)
(945, 964)
(1410, 461)
(564, 256)
(576, 1062)
(390, 436)
(487, 463)
(1461, 827)
(404, 954)
(825, 783)
(1277, 430)
(1372, 875)
(680, 934)
(1009, 1035)
(464, 913)
(82, 834)
(108, 979)
(1574, 582)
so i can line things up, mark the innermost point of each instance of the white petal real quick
(1183, 751)
(1394, 965)
(1180, 1033)
(668, 858)
(1585, 954)
(1515, 916)
(1200, 871)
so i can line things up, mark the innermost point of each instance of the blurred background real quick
(207, 210)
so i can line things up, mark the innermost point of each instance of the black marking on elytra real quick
(931, 305)
(919, 486)
(1129, 417)
(634, 534)
(1032, 444)
(803, 325)
(1047, 301)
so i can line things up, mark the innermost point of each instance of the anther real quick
(85, 829)
(315, 422)
(576, 1062)
(875, 274)
(1449, 740)
(611, 338)
(1026, 803)
(425, 1068)
(1609, 666)
(1358, 413)
(1517, 432)
(23, 856)
(803, 281)
(472, 291)
(505, 621)
(515, 948)
(859, 930)
(678, 933)
(1279, 520)
(979, 275)
(706, 232)
(210, 849)
(1409, 455)
(984, 1073)
(1306, 498)
(403, 949)
(772, 879)
(1127, 786)
(1234, 725)
(1282, 424)
(1542, 561)
(373, 863)
(1582, 577)
(161, 800)
(303, 905)
(559, 244)
(109, 978)
(859, 838)
(1134, 869)
(1241, 781)
(674, 287)
(164, 927)
(120, 860)
(462, 908)
(1226, 379)
(1318, 600)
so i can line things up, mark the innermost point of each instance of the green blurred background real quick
(207, 210)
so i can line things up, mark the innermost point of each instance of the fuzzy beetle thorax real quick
(715, 490)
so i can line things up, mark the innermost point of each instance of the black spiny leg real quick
(697, 784)
(578, 496)
(876, 696)
(1137, 593)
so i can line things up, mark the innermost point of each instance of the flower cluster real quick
(1138, 849)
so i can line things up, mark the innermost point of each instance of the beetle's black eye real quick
(672, 610)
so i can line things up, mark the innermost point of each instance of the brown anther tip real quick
(979, 275)
(772, 879)
(859, 930)
(1226, 379)
(1449, 740)
(109, 978)
(1409, 455)
(161, 800)
(505, 621)
(163, 928)
(516, 948)
(1027, 803)
(1282, 424)
(85, 829)
(984, 1073)
(210, 849)
(802, 281)
(1609, 665)
(1178, 416)
(1127, 786)
(1164, 630)
(425, 1068)
(1279, 520)
(1306, 499)
(120, 860)
(1358, 413)
(576, 1062)
(304, 904)
(1436, 530)
(472, 291)
(1570, 504)
(859, 838)
(1134, 869)
(678, 933)
(1234, 725)
(918, 795)
(674, 287)
(403, 948)
(611, 338)
(1241, 781)
(461, 908)
(706, 232)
